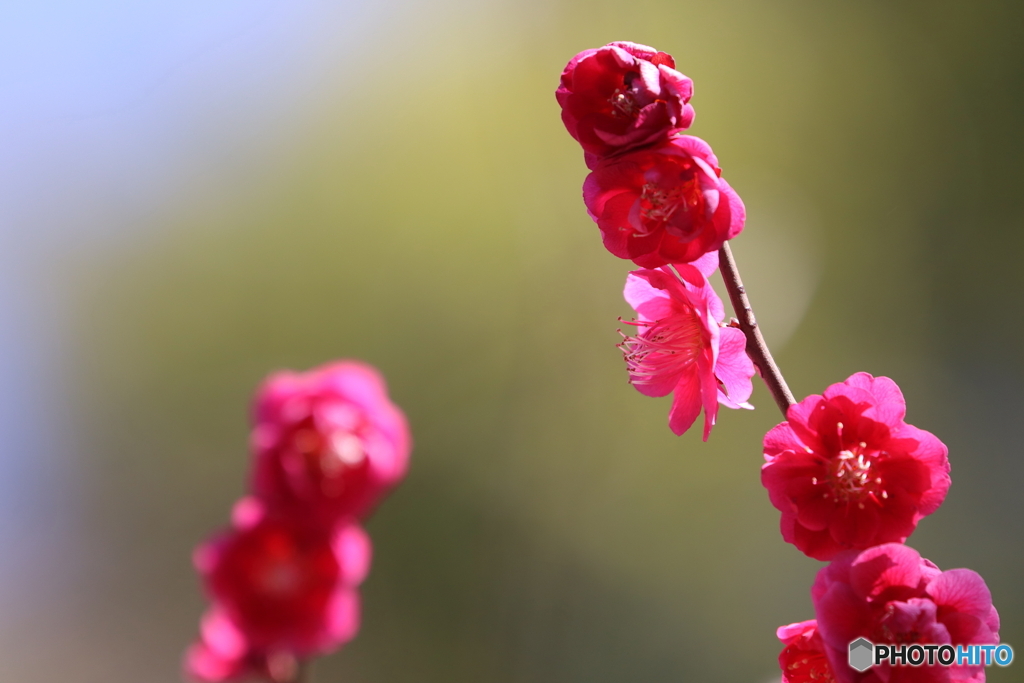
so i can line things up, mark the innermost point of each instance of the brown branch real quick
(757, 349)
(288, 669)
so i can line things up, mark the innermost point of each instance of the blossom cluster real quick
(850, 477)
(283, 579)
(888, 594)
(659, 200)
(852, 480)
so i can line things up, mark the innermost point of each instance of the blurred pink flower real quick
(666, 204)
(803, 659)
(680, 347)
(890, 594)
(848, 473)
(328, 442)
(621, 96)
(282, 590)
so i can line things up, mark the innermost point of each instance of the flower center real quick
(902, 624)
(660, 200)
(662, 347)
(851, 473)
(853, 476)
(623, 100)
(329, 453)
(280, 577)
(624, 103)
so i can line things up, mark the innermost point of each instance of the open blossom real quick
(621, 96)
(665, 204)
(680, 346)
(848, 473)
(890, 594)
(803, 658)
(328, 442)
(282, 590)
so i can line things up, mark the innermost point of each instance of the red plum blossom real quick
(622, 96)
(282, 590)
(803, 658)
(328, 442)
(847, 472)
(680, 347)
(665, 204)
(890, 594)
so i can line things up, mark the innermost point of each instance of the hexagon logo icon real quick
(861, 654)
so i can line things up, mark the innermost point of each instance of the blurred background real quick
(194, 194)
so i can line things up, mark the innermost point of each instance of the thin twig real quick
(757, 349)
(288, 669)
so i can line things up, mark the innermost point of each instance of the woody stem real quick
(757, 349)
(299, 673)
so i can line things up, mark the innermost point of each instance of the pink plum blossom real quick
(622, 96)
(890, 594)
(282, 590)
(327, 442)
(803, 658)
(664, 204)
(680, 347)
(847, 472)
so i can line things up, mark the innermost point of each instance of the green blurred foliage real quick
(428, 219)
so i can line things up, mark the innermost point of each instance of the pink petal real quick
(842, 615)
(799, 417)
(707, 264)
(889, 405)
(691, 275)
(791, 632)
(789, 476)
(657, 386)
(353, 549)
(883, 566)
(355, 381)
(247, 512)
(342, 620)
(203, 664)
(694, 146)
(816, 544)
(734, 368)
(221, 636)
(855, 527)
(656, 308)
(962, 590)
(639, 291)
(708, 390)
(779, 439)
(816, 512)
(686, 402)
(273, 393)
(737, 212)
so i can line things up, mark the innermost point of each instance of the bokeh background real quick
(193, 194)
